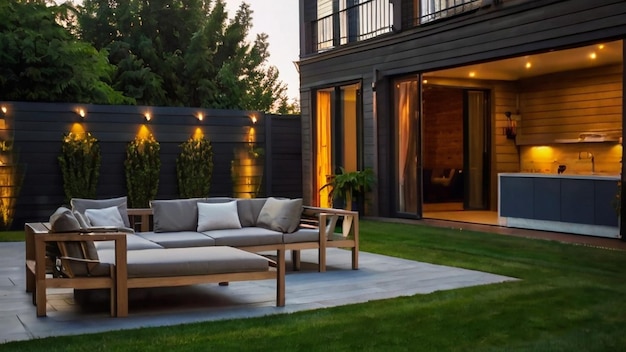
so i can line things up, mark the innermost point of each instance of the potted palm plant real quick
(346, 186)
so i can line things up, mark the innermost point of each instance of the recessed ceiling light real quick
(593, 56)
(601, 46)
(472, 74)
(529, 65)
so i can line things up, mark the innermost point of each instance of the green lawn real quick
(11, 236)
(570, 298)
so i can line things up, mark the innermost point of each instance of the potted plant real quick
(346, 186)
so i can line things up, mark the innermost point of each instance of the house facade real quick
(439, 97)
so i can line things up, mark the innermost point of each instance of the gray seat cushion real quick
(246, 236)
(302, 235)
(133, 242)
(188, 261)
(180, 239)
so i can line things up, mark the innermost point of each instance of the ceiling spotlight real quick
(472, 74)
(593, 56)
(529, 65)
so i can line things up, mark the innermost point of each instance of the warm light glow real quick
(81, 112)
(542, 152)
(529, 65)
(144, 132)
(601, 46)
(200, 116)
(148, 116)
(78, 130)
(4, 109)
(253, 118)
(593, 56)
(472, 74)
(425, 81)
(198, 134)
(251, 135)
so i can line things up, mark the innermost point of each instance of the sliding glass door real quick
(338, 136)
(406, 146)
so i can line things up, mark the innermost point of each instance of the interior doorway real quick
(456, 150)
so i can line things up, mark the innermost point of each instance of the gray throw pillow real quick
(175, 215)
(83, 220)
(63, 220)
(281, 215)
(249, 210)
(81, 204)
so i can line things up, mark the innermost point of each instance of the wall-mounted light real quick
(147, 116)
(4, 109)
(200, 116)
(253, 118)
(81, 112)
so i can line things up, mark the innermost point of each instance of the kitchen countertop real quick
(597, 176)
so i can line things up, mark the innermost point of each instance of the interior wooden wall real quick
(562, 105)
(443, 128)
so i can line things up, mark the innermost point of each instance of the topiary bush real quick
(194, 168)
(143, 166)
(80, 165)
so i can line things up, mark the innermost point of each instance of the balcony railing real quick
(354, 23)
(431, 10)
(371, 18)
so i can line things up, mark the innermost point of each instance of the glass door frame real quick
(336, 132)
(394, 149)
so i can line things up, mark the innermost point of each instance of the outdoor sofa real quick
(216, 237)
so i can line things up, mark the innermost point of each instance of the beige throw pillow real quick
(218, 216)
(281, 215)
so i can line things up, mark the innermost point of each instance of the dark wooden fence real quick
(37, 129)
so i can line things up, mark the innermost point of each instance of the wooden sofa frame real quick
(312, 217)
(38, 280)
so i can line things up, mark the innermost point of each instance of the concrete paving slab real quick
(378, 277)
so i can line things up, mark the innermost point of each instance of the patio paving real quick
(378, 277)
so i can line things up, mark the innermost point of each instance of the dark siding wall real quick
(286, 157)
(512, 28)
(38, 128)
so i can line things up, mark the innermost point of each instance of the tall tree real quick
(183, 52)
(40, 60)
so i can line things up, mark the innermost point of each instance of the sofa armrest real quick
(327, 218)
(119, 272)
(140, 219)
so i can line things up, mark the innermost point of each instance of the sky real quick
(279, 20)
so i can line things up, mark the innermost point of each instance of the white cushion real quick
(105, 217)
(218, 216)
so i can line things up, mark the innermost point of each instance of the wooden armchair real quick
(78, 270)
